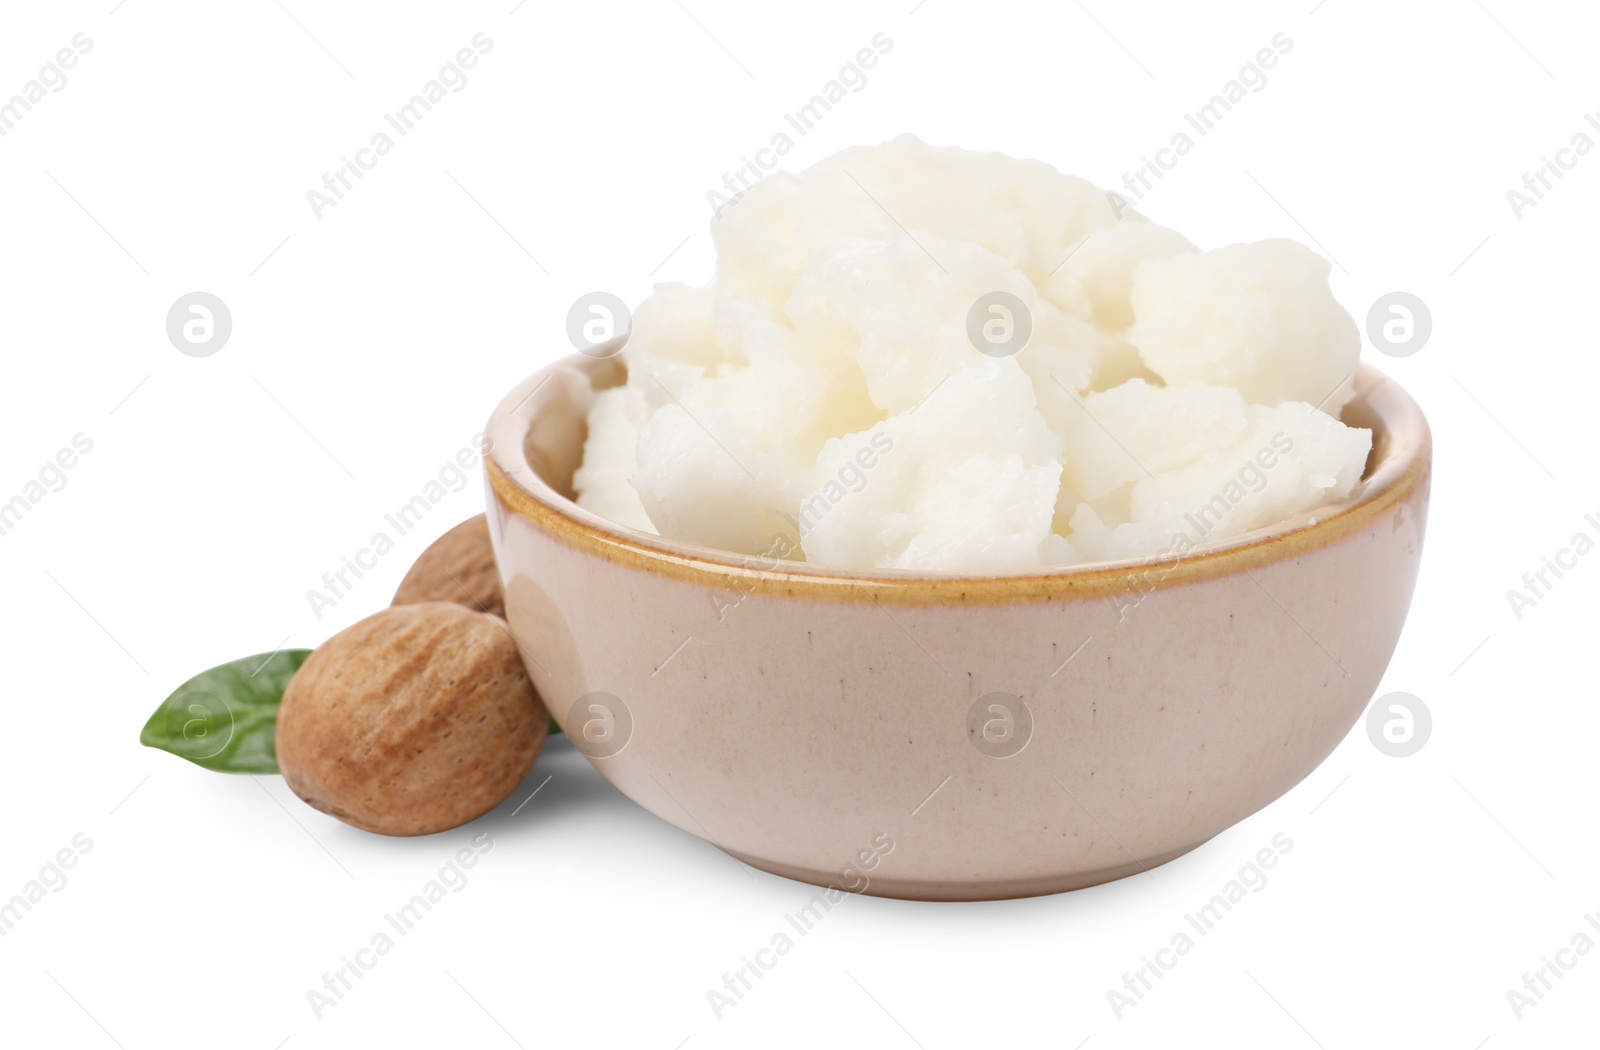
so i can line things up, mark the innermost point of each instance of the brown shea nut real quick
(415, 720)
(458, 567)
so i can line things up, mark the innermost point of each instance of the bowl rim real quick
(1403, 472)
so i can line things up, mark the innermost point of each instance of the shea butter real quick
(939, 360)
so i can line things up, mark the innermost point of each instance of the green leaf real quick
(226, 718)
(552, 729)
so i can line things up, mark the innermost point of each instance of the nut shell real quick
(457, 567)
(415, 720)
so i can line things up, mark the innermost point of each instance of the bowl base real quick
(985, 890)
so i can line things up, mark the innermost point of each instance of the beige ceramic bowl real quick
(950, 738)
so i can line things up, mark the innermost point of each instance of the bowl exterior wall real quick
(959, 750)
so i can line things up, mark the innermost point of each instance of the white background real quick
(370, 344)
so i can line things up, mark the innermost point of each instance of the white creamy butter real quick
(827, 386)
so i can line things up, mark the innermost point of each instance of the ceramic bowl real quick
(941, 737)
